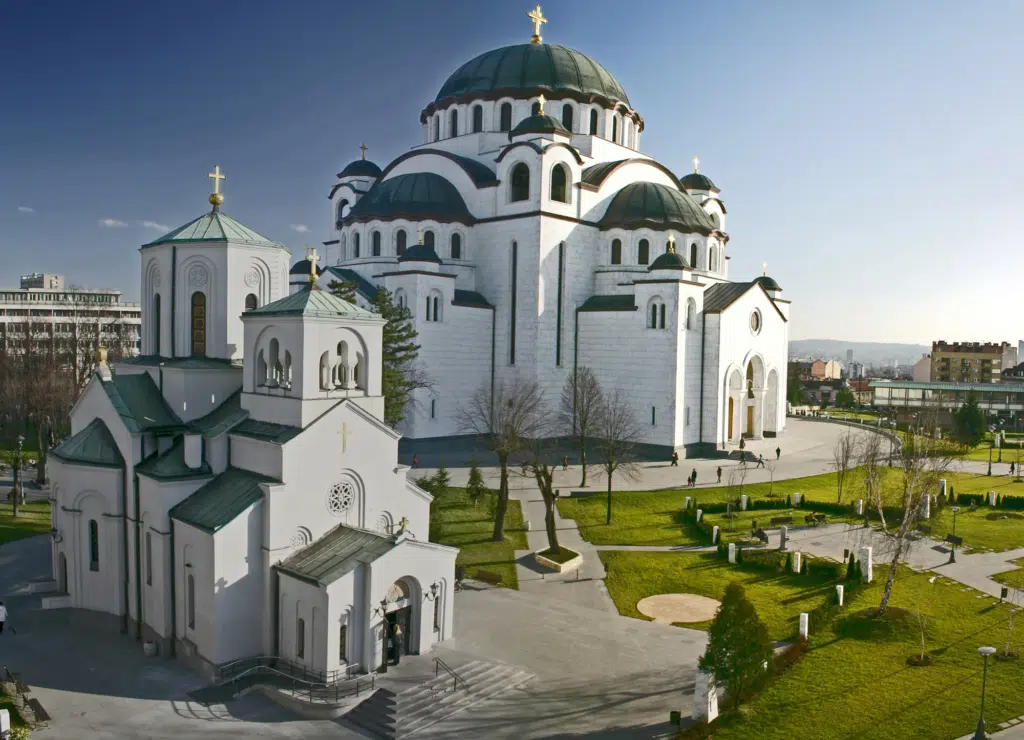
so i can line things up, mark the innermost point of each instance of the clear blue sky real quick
(870, 152)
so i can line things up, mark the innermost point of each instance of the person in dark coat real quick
(719, 473)
(675, 459)
(693, 478)
(778, 452)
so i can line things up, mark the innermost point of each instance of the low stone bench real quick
(488, 576)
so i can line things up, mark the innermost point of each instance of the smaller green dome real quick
(302, 267)
(655, 206)
(767, 283)
(420, 253)
(415, 196)
(669, 261)
(697, 181)
(360, 168)
(538, 125)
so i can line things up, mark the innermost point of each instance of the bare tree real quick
(734, 491)
(617, 433)
(538, 453)
(872, 459)
(844, 455)
(503, 417)
(578, 408)
(921, 461)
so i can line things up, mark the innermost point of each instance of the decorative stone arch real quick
(301, 537)
(772, 402)
(732, 395)
(656, 313)
(152, 308)
(347, 359)
(435, 306)
(407, 592)
(385, 523)
(198, 274)
(264, 362)
(345, 499)
(257, 280)
(691, 314)
(519, 191)
(754, 378)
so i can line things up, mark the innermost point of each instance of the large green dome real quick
(656, 206)
(530, 69)
(416, 196)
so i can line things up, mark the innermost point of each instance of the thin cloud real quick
(111, 223)
(154, 225)
(26, 209)
(301, 228)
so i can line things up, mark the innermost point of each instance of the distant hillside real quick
(867, 352)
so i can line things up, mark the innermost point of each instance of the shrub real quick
(442, 480)
(738, 645)
(1015, 503)
(805, 564)
(789, 562)
(968, 499)
(426, 483)
(851, 568)
(723, 551)
(789, 501)
(475, 485)
(824, 568)
(739, 556)
(790, 655)
(769, 560)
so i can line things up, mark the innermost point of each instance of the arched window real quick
(433, 307)
(506, 117)
(615, 129)
(437, 127)
(342, 209)
(567, 116)
(653, 321)
(535, 109)
(300, 638)
(691, 314)
(94, 545)
(520, 183)
(355, 245)
(344, 247)
(375, 243)
(157, 318)
(560, 183)
(714, 219)
(593, 121)
(478, 119)
(643, 252)
(199, 324)
(190, 600)
(656, 314)
(251, 302)
(713, 259)
(661, 323)
(343, 644)
(428, 239)
(616, 251)
(400, 298)
(693, 255)
(453, 124)
(433, 408)
(456, 253)
(400, 238)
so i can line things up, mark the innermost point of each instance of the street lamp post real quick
(19, 463)
(989, 461)
(979, 732)
(382, 611)
(952, 545)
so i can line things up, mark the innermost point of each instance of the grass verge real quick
(33, 518)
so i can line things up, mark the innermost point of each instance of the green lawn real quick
(779, 598)
(33, 518)
(984, 529)
(855, 681)
(1013, 578)
(455, 521)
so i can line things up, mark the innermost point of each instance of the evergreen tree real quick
(442, 480)
(858, 573)
(789, 562)
(969, 422)
(475, 485)
(738, 645)
(344, 289)
(399, 375)
(804, 566)
(851, 568)
(739, 556)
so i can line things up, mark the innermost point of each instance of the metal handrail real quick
(316, 691)
(457, 679)
(230, 670)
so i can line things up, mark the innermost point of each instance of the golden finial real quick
(313, 258)
(403, 525)
(216, 199)
(696, 165)
(540, 104)
(101, 356)
(362, 148)
(764, 269)
(537, 18)
(671, 244)
(419, 235)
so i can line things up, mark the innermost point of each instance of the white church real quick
(529, 235)
(233, 492)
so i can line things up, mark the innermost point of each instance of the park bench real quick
(41, 715)
(488, 576)
(815, 519)
(777, 520)
(762, 536)
(952, 539)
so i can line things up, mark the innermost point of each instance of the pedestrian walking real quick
(719, 473)
(778, 452)
(415, 461)
(743, 458)
(1012, 468)
(565, 462)
(675, 459)
(693, 478)
(3, 616)
(397, 637)
(743, 443)
(760, 461)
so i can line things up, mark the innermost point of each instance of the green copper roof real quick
(697, 181)
(538, 125)
(609, 303)
(669, 261)
(93, 445)
(318, 303)
(222, 418)
(267, 431)
(214, 227)
(360, 168)
(138, 402)
(171, 465)
(338, 552)
(182, 363)
(222, 499)
(656, 206)
(529, 69)
(767, 282)
(415, 196)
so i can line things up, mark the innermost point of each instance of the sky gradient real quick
(869, 152)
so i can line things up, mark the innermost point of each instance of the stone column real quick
(783, 537)
(796, 562)
(796, 499)
(859, 506)
(866, 564)
(759, 395)
(743, 502)
(942, 487)
(991, 498)
(732, 552)
(705, 698)
(700, 514)
(804, 625)
(714, 535)
(686, 502)
(839, 594)
(926, 507)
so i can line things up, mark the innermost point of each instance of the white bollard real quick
(796, 499)
(686, 503)
(732, 552)
(783, 537)
(714, 535)
(5, 722)
(942, 487)
(526, 524)
(866, 564)
(859, 506)
(804, 625)
(796, 562)
(743, 502)
(991, 498)
(839, 594)
(705, 698)
(700, 514)
(926, 507)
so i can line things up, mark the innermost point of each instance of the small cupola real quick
(420, 252)
(697, 181)
(361, 167)
(771, 287)
(540, 123)
(302, 274)
(670, 260)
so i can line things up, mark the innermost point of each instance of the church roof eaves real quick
(139, 403)
(363, 286)
(222, 418)
(609, 303)
(181, 363)
(267, 431)
(596, 174)
(481, 175)
(218, 502)
(338, 552)
(720, 296)
(94, 446)
(470, 299)
(314, 303)
(214, 226)
(170, 465)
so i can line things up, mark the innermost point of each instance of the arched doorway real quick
(402, 611)
(731, 412)
(62, 574)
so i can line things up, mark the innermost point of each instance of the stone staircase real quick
(391, 714)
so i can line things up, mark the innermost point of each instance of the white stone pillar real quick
(686, 502)
(926, 507)
(859, 506)
(991, 498)
(743, 502)
(797, 557)
(705, 698)
(714, 535)
(796, 499)
(732, 552)
(783, 537)
(804, 625)
(839, 594)
(866, 564)
(700, 514)
(942, 487)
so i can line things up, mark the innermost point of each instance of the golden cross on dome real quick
(696, 165)
(403, 524)
(313, 258)
(362, 148)
(537, 17)
(216, 198)
(764, 269)
(540, 104)
(671, 244)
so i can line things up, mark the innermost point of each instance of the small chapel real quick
(529, 235)
(233, 492)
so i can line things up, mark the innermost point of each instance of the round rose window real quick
(340, 497)
(755, 322)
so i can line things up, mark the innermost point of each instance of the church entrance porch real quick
(399, 620)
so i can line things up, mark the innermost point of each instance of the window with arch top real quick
(342, 209)
(300, 638)
(355, 244)
(375, 243)
(693, 255)
(535, 109)
(434, 307)
(713, 259)
(400, 239)
(643, 252)
(456, 247)
(520, 183)
(156, 325)
(616, 251)
(560, 183)
(567, 117)
(691, 313)
(94, 545)
(251, 302)
(428, 239)
(478, 119)
(615, 129)
(593, 122)
(506, 117)
(437, 127)
(198, 327)
(656, 314)
(453, 124)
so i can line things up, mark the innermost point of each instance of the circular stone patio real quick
(686, 608)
